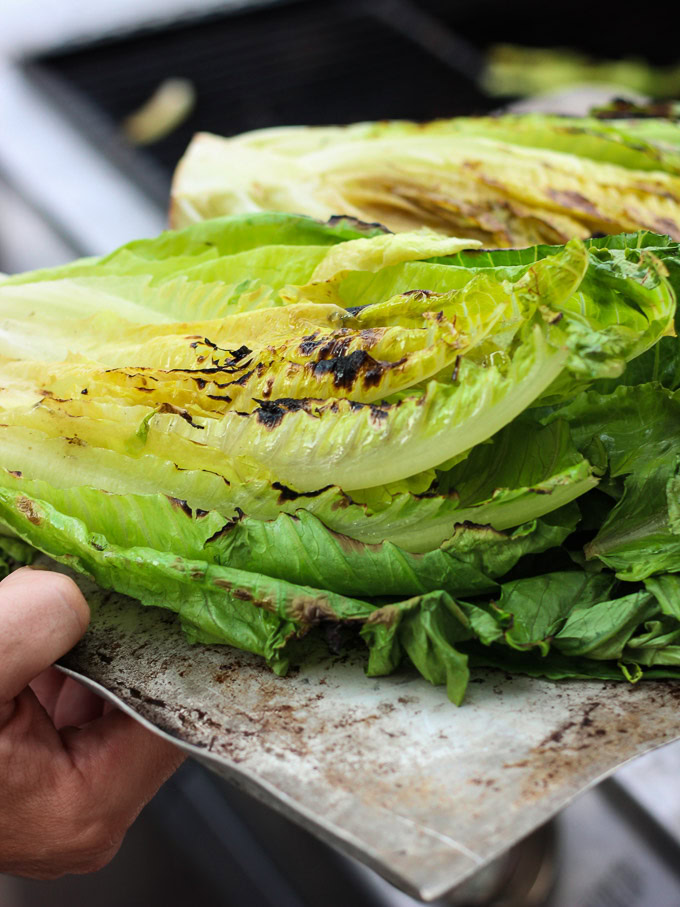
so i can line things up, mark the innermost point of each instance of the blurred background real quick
(97, 104)
(99, 101)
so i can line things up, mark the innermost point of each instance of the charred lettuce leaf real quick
(272, 426)
(507, 181)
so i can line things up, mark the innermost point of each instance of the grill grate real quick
(289, 63)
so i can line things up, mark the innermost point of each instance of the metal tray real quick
(387, 769)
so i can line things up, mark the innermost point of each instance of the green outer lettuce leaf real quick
(302, 550)
(297, 548)
(560, 667)
(666, 588)
(215, 604)
(425, 630)
(637, 426)
(502, 482)
(602, 630)
(533, 610)
(641, 535)
(637, 429)
(612, 141)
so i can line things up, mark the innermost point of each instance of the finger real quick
(76, 705)
(123, 764)
(47, 687)
(42, 616)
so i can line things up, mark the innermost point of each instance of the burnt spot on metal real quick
(176, 411)
(137, 694)
(589, 739)
(27, 507)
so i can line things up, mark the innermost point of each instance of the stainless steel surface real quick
(387, 769)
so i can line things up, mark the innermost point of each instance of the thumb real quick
(42, 616)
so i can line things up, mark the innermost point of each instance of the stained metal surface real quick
(387, 769)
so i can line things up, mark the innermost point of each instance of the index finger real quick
(42, 616)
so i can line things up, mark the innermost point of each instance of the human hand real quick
(74, 773)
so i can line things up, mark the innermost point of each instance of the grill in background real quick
(284, 63)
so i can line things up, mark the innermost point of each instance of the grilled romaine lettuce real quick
(507, 181)
(269, 424)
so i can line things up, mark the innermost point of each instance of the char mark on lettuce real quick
(347, 370)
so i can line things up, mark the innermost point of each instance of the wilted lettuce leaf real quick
(637, 429)
(424, 630)
(270, 425)
(507, 181)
